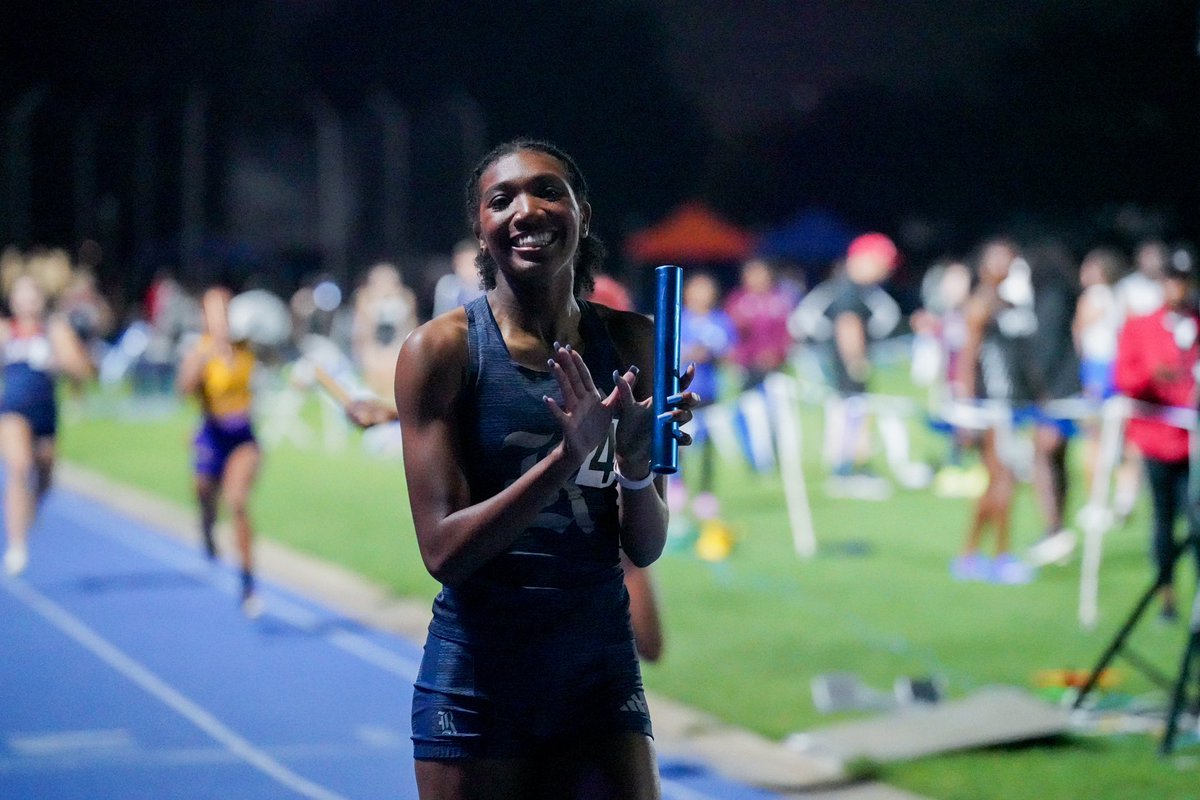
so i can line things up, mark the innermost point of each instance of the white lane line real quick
(66, 622)
(402, 666)
(69, 742)
(677, 791)
(184, 756)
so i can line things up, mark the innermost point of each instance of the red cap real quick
(874, 244)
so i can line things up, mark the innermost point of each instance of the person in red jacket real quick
(1156, 357)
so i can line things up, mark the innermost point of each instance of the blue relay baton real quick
(664, 454)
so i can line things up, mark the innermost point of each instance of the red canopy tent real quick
(692, 233)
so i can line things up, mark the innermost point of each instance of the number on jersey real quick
(598, 468)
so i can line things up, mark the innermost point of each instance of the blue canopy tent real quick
(814, 238)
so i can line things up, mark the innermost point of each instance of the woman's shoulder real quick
(432, 367)
(632, 335)
(630, 322)
(441, 340)
(627, 328)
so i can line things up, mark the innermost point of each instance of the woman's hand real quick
(368, 412)
(584, 415)
(636, 421)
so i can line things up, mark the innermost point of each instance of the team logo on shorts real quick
(445, 723)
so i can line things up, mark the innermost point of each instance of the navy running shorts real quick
(514, 702)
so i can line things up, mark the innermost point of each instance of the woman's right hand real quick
(369, 412)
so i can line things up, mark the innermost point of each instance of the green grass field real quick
(747, 635)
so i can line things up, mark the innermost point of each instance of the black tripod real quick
(1178, 686)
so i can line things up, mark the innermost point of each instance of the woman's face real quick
(1175, 292)
(993, 266)
(700, 294)
(530, 221)
(26, 299)
(757, 277)
(1091, 273)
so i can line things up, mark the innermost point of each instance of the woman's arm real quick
(975, 315)
(191, 368)
(850, 339)
(457, 538)
(643, 512)
(643, 612)
(69, 351)
(1087, 312)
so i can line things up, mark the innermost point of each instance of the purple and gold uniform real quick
(226, 397)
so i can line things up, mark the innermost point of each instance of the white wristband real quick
(633, 486)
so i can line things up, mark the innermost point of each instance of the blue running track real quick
(127, 671)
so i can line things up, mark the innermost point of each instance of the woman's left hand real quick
(635, 423)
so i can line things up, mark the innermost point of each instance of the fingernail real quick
(545, 398)
(634, 369)
(556, 344)
(665, 415)
(692, 365)
(675, 398)
(616, 375)
(568, 348)
(550, 363)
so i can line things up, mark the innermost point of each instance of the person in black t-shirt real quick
(858, 311)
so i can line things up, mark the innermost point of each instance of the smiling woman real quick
(591, 250)
(524, 413)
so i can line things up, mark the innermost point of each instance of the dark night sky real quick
(749, 60)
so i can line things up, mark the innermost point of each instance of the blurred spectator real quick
(759, 310)
(51, 268)
(86, 309)
(317, 308)
(1156, 359)
(174, 318)
(1095, 328)
(461, 285)
(940, 330)
(1098, 321)
(385, 312)
(999, 319)
(1141, 291)
(705, 339)
(1054, 377)
(944, 292)
(859, 310)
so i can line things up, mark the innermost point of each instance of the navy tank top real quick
(563, 573)
(28, 374)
